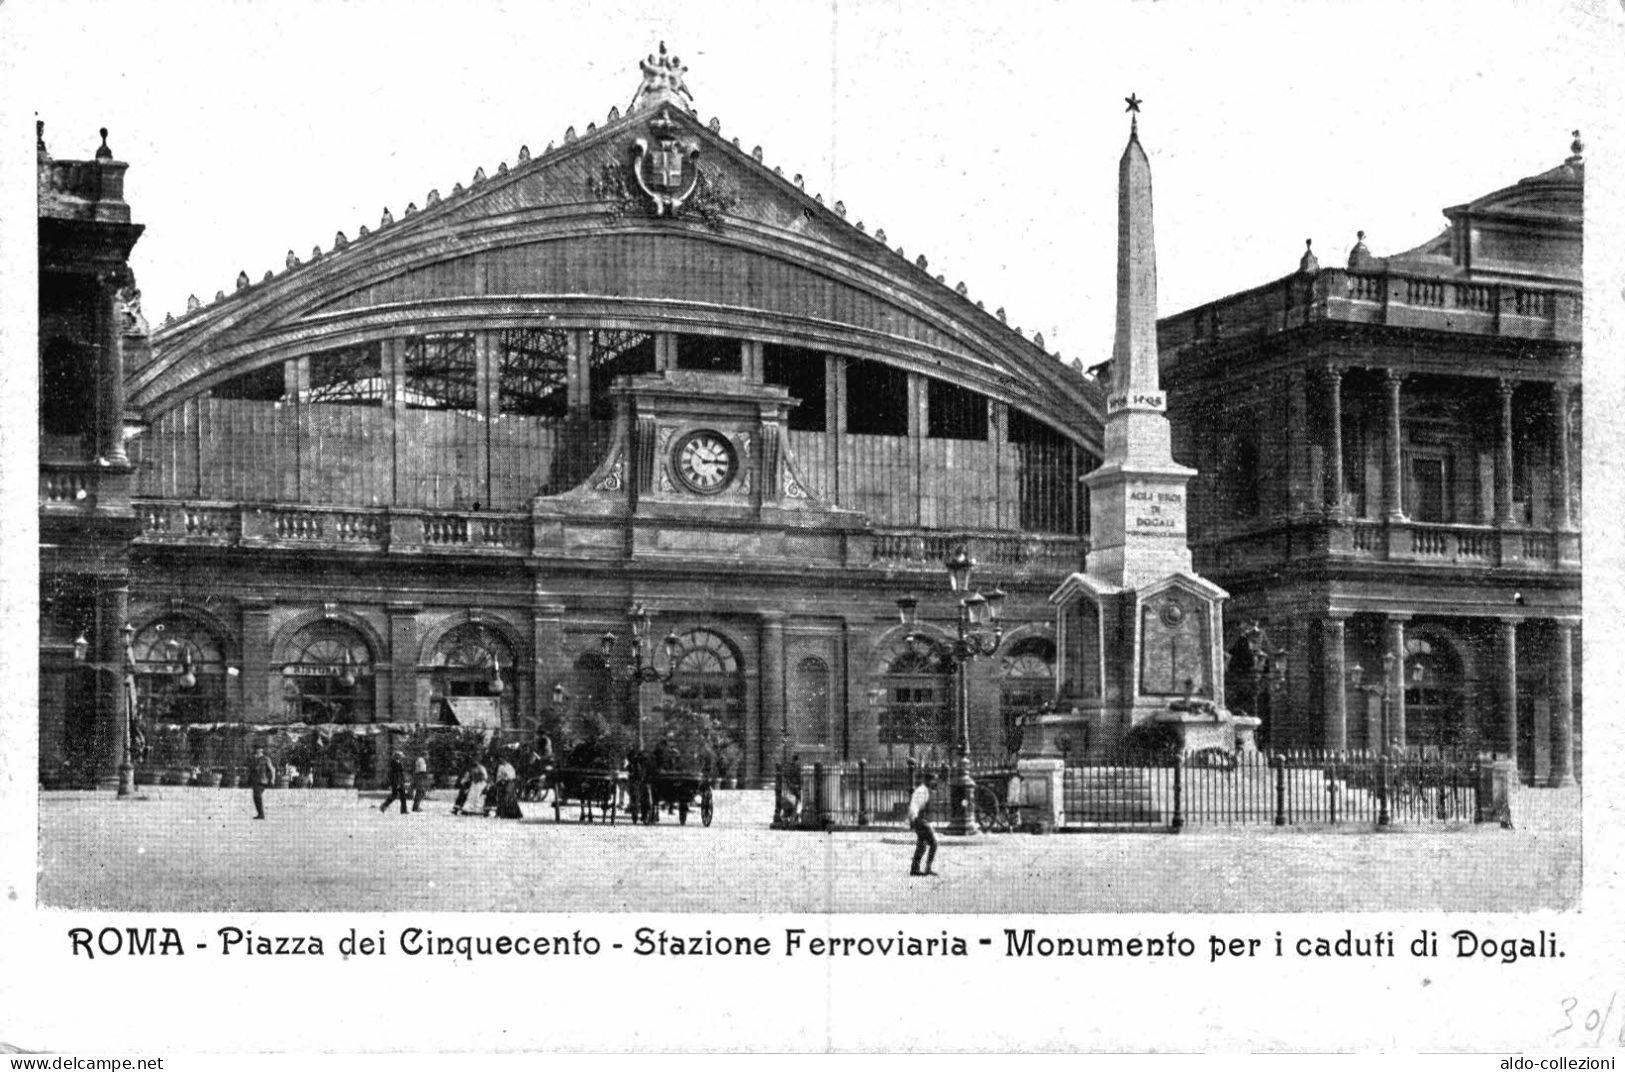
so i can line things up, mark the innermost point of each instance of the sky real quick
(985, 136)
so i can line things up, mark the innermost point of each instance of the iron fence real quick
(836, 796)
(1296, 788)
(1134, 791)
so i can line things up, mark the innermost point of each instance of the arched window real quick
(917, 691)
(328, 677)
(809, 701)
(707, 677)
(180, 672)
(474, 675)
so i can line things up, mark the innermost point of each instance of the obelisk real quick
(1140, 635)
(1137, 495)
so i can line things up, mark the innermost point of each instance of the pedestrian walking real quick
(260, 775)
(919, 819)
(420, 781)
(397, 782)
(472, 784)
(505, 792)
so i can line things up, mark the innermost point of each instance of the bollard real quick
(863, 792)
(1178, 822)
(1278, 762)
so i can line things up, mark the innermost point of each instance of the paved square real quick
(176, 849)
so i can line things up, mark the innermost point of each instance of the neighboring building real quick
(1389, 462)
(416, 476)
(88, 312)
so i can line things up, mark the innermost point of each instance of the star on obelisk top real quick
(1134, 118)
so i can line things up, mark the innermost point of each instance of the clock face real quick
(704, 461)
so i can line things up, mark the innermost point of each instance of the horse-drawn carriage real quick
(679, 790)
(593, 791)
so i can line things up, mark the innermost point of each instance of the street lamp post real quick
(125, 670)
(1381, 691)
(638, 671)
(981, 629)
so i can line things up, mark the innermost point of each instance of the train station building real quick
(419, 474)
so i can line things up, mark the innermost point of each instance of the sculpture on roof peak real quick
(662, 83)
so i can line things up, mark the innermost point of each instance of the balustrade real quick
(66, 485)
(442, 529)
(928, 550)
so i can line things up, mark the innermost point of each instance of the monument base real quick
(1219, 729)
(1095, 732)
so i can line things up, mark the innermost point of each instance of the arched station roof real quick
(572, 239)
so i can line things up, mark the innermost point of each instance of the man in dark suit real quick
(260, 775)
(397, 782)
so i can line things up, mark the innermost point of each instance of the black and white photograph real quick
(828, 512)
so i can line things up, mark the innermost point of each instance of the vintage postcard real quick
(819, 512)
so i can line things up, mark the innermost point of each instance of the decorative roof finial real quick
(104, 153)
(39, 134)
(1360, 257)
(1133, 109)
(662, 83)
(1577, 150)
(1308, 264)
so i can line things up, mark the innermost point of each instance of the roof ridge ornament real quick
(1577, 150)
(1133, 109)
(663, 83)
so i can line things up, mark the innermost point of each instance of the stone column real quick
(1334, 441)
(113, 770)
(1561, 507)
(1563, 704)
(110, 369)
(1396, 680)
(1506, 659)
(1393, 474)
(257, 671)
(547, 666)
(1334, 678)
(1297, 444)
(577, 374)
(834, 425)
(403, 663)
(392, 366)
(777, 735)
(1504, 461)
(919, 416)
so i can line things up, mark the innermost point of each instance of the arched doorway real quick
(1026, 683)
(589, 691)
(180, 672)
(917, 689)
(707, 677)
(473, 676)
(328, 676)
(1435, 711)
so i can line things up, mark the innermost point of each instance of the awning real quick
(482, 712)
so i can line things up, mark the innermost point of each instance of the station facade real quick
(421, 473)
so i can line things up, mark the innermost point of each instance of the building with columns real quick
(88, 311)
(1389, 464)
(421, 471)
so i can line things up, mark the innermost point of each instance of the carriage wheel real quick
(682, 813)
(705, 807)
(988, 813)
